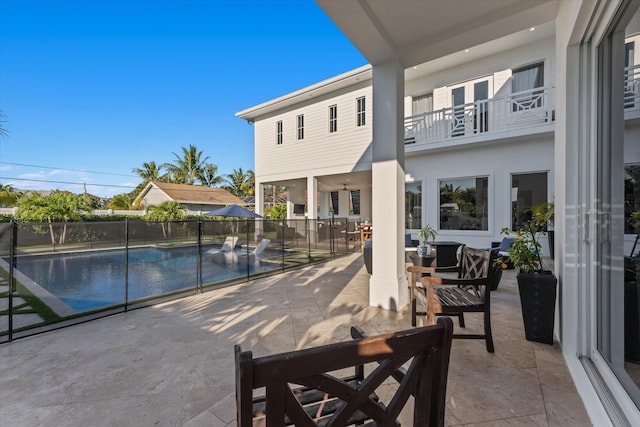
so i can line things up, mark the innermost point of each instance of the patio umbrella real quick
(234, 210)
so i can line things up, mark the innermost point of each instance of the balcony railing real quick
(632, 88)
(515, 111)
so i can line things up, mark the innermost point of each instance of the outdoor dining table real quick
(366, 231)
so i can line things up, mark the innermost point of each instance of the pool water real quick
(91, 280)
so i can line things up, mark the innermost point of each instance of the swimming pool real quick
(96, 279)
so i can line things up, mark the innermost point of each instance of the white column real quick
(259, 198)
(259, 209)
(388, 284)
(312, 197)
(312, 207)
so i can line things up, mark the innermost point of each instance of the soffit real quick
(413, 32)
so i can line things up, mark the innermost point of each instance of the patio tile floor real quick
(172, 364)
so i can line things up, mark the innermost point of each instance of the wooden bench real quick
(310, 388)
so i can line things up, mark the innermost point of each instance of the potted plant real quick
(425, 235)
(543, 217)
(537, 285)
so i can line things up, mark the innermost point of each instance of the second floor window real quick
(422, 104)
(525, 79)
(333, 118)
(279, 132)
(301, 126)
(361, 118)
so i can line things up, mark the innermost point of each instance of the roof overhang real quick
(324, 87)
(414, 32)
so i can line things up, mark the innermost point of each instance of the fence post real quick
(198, 258)
(307, 232)
(331, 237)
(346, 235)
(12, 260)
(126, 264)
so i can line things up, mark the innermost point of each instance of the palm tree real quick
(166, 212)
(122, 201)
(149, 172)
(240, 183)
(210, 176)
(188, 168)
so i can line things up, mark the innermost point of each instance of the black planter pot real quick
(538, 302)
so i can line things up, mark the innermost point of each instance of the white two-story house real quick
(478, 140)
(472, 112)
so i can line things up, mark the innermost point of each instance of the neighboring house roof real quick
(192, 194)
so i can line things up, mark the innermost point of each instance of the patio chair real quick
(305, 388)
(469, 292)
(227, 246)
(260, 247)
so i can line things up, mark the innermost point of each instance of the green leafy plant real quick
(543, 216)
(525, 250)
(427, 233)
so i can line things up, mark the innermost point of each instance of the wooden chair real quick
(470, 291)
(303, 388)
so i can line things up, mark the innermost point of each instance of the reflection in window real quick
(413, 205)
(334, 202)
(464, 204)
(354, 202)
(631, 195)
(527, 191)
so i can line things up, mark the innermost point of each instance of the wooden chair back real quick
(303, 388)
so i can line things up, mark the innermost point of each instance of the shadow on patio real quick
(172, 364)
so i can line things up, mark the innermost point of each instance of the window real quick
(413, 205)
(464, 204)
(333, 119)
(354, 202)
(631, 195)
(523, 81)
(631, 76)
(527, 191)
(301, 126)
(333, 207)
(615, 283)
(279, 132)
(361, 118)
(422, 104)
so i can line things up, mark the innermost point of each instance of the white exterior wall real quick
(320, 152)
(498, 67)
(495, 161)
(153, 197)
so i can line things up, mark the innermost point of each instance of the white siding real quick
(320, 152)
(499, 66)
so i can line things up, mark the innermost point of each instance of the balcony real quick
(632, 92)
(519, 113)
(172, 363)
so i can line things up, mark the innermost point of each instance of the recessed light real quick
(466, 50)
(415, 68)
(532, 28)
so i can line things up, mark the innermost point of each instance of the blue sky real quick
(91, 89)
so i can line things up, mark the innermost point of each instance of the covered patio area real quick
(172, 364)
